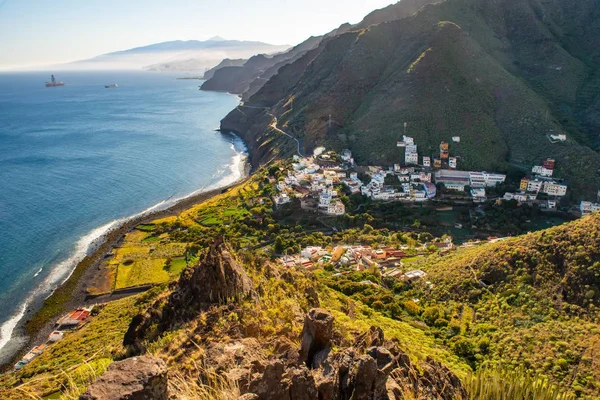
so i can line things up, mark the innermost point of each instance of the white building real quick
(336, 208)
(411, 148)
(535, 186)
(485, 179)
(426, 161)
(452, 162)
(281, 199)
(460, 187)
(554, 189)
(478, 195)
(456, 139)
(538, 169)
(411, 158)
(559, 138)
(587, 207)
(325, 199)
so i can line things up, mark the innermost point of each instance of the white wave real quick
(8, 327)
(89, 242)
(39, 271)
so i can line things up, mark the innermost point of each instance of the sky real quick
(42, 32)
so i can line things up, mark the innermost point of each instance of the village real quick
(389, 261)
(72, 321)
(316, 181)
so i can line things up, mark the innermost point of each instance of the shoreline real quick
(39, 318)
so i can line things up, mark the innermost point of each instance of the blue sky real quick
(41, 32)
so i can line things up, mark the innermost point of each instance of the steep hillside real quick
(248, 78)
(532, 300)
(503, 75)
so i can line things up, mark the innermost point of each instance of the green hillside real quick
(503, 75)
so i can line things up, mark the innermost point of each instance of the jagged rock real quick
(268, 383)
(379, 372)
(362, 382)
(373, 337)
(300, 384)
(217, 279)
(316, 334)
(136, 378)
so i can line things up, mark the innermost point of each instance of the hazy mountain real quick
(502, 74)
(238, 62)
(178, 55)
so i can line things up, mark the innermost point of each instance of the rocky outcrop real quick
(218, 279)
(378, 372)
(316, 334)
(136, 378)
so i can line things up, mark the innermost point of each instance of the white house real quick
(587, 207)
(325, 199)
(426, 161)
(452, 162)
(559, 138)
(554, 189)
(485, 179)
(411, 148)
(281, 199)
(456, 139)
(478, 195)
(540, 170)
(535, 186)
(336, 208)
(411, 158)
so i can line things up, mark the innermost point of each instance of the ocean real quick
(77, 160)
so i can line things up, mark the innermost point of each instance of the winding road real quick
(274, 125)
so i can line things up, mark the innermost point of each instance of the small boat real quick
(114, 85)
(53, 82)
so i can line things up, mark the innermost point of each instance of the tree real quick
(278, 246)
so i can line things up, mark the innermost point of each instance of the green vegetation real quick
(82, 355)
(528, 303)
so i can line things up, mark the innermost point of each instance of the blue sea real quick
(75, 161)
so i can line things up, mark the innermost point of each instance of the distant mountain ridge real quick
(179, 55)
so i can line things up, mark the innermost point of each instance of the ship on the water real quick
(53, 82)
(114, 85)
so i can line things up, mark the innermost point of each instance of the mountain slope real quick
(248, 78)
(503, 75)
(534, 300)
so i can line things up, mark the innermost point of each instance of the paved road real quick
(274, 125)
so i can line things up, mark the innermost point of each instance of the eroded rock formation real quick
(218, 279)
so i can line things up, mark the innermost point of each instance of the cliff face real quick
(238, 62)
(503, 75)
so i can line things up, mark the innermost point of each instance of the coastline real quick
(38, 318)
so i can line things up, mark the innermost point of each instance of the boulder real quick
(316, 334)
(136, 378)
